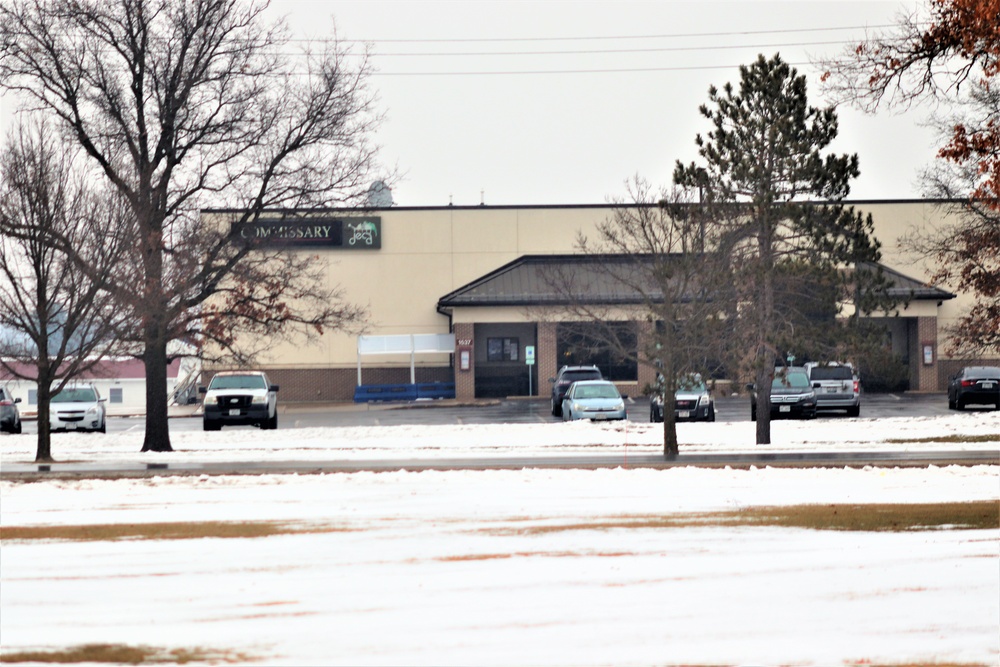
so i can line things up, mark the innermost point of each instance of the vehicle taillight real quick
(6, 402)
(857, 386)
(968, 383)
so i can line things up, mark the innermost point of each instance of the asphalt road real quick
(533, 411)
(517, 411)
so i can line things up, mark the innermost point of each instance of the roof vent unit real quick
(379, 195)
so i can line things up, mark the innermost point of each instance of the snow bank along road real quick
(887, 441)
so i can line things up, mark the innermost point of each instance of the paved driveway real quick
(514, 411)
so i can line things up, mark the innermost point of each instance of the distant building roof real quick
(535, 280)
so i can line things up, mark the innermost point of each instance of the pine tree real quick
(762, 169)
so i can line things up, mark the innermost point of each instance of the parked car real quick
(240, 397)
(78, 407)
(692, 402)
(593, 399)
(10, 417)
(836, 385)
(791, 395)
(567, 376)
(979, 385)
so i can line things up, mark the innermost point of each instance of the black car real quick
(10, 418)
(979, 385)
(567, 376)
(792, 395)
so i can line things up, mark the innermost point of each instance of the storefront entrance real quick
(501, 367)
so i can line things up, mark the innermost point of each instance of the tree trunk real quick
(43, 453)
(765, 376)
(157, 437)
(671, 448)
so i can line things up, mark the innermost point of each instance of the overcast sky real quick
(547, 102)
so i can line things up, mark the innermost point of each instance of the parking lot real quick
(514, 411)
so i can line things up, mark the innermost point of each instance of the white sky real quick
(456, 129)
(574, 138)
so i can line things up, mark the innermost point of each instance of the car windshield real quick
(238, 382)
(793, 380)
(691, 385)
(596, 391)
(75, 395)
(832, 373)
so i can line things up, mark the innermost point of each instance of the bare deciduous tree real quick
(947, 51)
(649, 265)
(191, 104)
(58, 322)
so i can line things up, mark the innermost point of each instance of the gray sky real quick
(620, 97)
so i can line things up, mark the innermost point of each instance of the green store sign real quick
(362, 233)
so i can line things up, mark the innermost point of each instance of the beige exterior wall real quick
(428, 253)
(894, 221)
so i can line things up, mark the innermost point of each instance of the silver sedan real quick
(593, 399)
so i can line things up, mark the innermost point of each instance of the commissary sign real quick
(362, 233)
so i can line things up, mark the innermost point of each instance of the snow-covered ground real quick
(531, 567)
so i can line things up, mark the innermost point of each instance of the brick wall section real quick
(303, 385)
(545, 357)
(927, 376)
(465, 381)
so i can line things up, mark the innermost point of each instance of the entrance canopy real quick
(411, 344)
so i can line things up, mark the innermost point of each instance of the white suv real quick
(836, 387)
(240, 397)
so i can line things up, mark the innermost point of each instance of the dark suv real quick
(567, 376)
(10, 418)
(791, 395)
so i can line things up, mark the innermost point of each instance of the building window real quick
(502, 349)
(589, 343)
(115, 395)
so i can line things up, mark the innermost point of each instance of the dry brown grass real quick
(872, 517)
(955, 437)
(122, 654)
(187, 530)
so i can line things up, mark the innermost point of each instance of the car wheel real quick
(103, 428)
(271, 423)
(711, 412)
(959, 404)
(854, 411)
(556, 409)
(951, 404)
(17, 426)
(211, 425)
